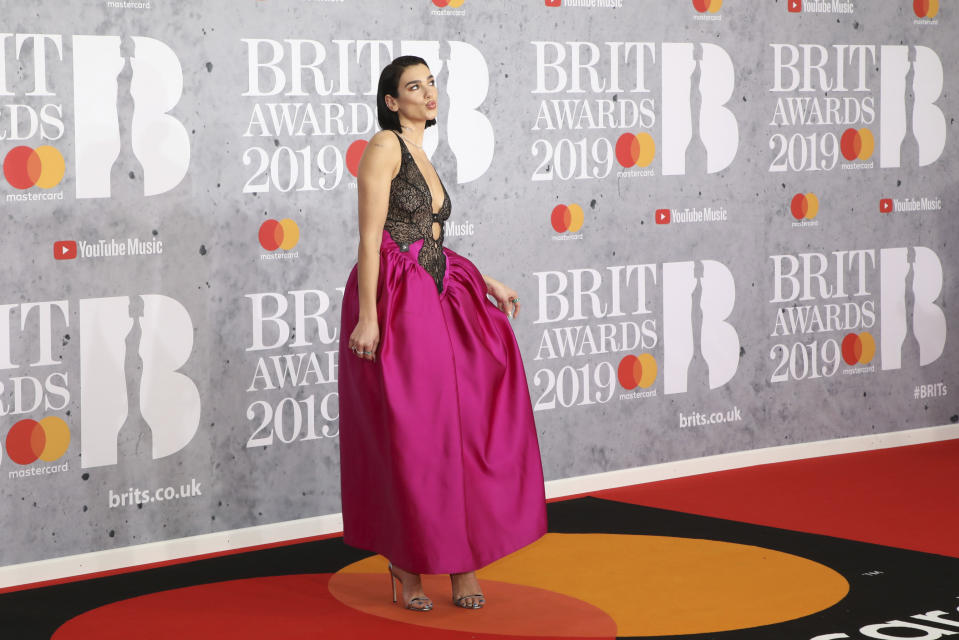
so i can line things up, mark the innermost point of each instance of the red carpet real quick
(903, 497)
(288, 607)
(787, 545)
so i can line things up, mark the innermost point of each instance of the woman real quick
(440, 465)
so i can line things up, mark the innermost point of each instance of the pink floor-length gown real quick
(440, 464)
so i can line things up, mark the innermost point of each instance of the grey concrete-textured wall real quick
(213, 267)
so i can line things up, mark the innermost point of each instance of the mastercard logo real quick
(804, 205)
(712, 6)
(858, 349)
(926, 8)
(638, 371)
(30, 440)
(42, 167)
(567, 218)
(353, 155)
(274, 235)
(452, 4)
(857, 145)
(635, 150)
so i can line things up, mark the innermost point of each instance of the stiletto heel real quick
(427, 604)
(392, 582)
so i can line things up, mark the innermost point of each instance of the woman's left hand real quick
(506, 298)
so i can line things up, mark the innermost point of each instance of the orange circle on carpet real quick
(647, 585)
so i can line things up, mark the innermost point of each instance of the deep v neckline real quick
(426, 184)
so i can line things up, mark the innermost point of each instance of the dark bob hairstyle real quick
(389, 85)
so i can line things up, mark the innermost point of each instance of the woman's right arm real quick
(379, 164)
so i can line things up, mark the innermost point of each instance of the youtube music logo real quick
(885, 205)
(794, 6)
(663, 216)
(65, 249)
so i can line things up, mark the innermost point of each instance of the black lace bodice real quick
(410, 215)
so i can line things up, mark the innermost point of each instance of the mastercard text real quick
(933, 625)
(33, 472)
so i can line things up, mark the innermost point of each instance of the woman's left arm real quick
(506, 298)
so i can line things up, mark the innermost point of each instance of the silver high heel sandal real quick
(428, 604)
(459, 601)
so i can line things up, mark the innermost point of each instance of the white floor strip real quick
(740, 459)
(56, 568)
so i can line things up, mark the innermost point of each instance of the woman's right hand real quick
(365, 338)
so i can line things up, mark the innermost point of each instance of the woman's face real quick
(416, 95)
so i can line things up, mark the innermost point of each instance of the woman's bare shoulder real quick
(385, 140)
(382, 154)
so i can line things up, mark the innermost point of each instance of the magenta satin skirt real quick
(439, 459)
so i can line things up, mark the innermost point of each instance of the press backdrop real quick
(730, 224)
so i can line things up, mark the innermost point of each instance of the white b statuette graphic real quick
(168, 401)
(160, 142)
